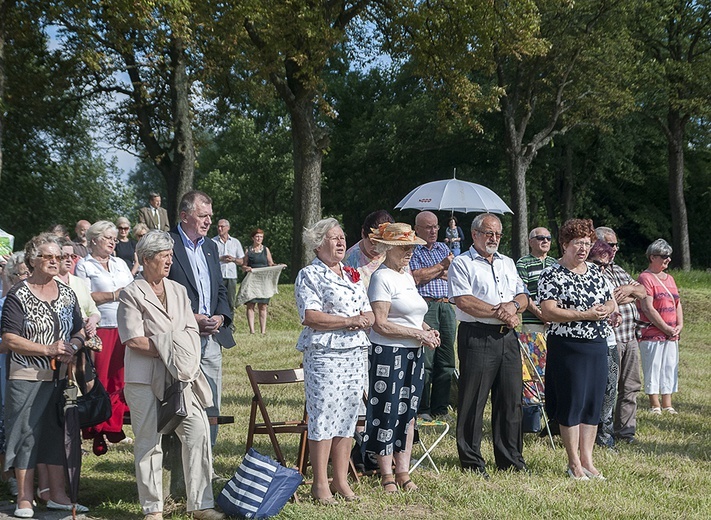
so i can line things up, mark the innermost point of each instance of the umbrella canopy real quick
(72, 443)
(454, 195)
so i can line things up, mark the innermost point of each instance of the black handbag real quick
(94, 403)
(172, 409)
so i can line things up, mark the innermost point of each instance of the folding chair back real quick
(266, 426)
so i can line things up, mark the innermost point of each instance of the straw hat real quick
(395, 234)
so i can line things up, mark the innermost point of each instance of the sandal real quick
(404, 482)
(655, 410)
(670, 410)
(41, 492)
(386, 482)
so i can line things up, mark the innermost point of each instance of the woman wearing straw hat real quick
(396, 362)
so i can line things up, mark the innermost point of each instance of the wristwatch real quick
(516, 304)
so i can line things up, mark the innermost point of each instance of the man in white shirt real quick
(489, 295)
(231, 255)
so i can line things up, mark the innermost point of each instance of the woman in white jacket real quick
(158, 327)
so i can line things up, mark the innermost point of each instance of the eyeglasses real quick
(122, 228)
(542, 238)
(49, 258)
(600, 264)
(581, 244)
(490, 234)
(67, 256)
(110, 239)
(429, 228)
(337, 239)
(665, 257)
(614, 245)
(139, 237)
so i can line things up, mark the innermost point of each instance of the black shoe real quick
(425, 417)
(628, 440)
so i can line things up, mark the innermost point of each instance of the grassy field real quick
(666, 475)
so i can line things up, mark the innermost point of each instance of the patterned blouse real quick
(41, 322)
(318, 288)
(576, 291)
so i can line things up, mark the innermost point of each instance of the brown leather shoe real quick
(208, 514)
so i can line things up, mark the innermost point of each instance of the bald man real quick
(429, 266)
(529, 268)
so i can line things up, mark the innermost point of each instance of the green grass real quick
(665, 476)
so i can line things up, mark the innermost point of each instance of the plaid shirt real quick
(626, 331)
(423, 257)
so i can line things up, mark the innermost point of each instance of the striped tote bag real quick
(260, 487)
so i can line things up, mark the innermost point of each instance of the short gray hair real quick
(315, 235)
(98, 229)
(191, 198)
(601, 232)
(32, 247)
(479, 220)
(123, 220)
(16, 259)
(659, 247)
(381, 248)
(152, 243)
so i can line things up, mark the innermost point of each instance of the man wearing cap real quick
(489, 295)
(428, 267)
(626, 292)
(529, 269)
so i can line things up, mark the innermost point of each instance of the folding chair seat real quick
(266, 426)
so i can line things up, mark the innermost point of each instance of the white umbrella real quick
(454, 195)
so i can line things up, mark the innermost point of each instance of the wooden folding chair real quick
(271, 428)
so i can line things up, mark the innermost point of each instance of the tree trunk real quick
(308, 155)
(676, 124)
(183, 164)
(567, 200)
(519, 234)
(4, 8)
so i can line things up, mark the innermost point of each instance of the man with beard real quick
(489, 295)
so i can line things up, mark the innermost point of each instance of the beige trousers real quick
(194, 435)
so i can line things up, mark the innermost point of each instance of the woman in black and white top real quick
(576, 300)
(41, 326)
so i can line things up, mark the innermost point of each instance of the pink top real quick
(663, 302)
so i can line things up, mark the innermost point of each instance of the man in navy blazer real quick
(196, 266)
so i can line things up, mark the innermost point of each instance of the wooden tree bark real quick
(675, 133)
(308, 146)
(4, 8)
(175, 162)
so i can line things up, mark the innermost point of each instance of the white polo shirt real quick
(232, 247)
(497, 282)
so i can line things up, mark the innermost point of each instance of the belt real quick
(435, 300)
(499, 329)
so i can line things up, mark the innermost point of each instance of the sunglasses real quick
(665, 257)
(121, 228)
(49, 258)
(614, 244)
(542, 238)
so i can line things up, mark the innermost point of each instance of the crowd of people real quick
(380, 320)
(154, 308)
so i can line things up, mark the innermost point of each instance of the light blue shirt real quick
(201, 272)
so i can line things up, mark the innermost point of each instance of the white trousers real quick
(194, 435)
(660, 366)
